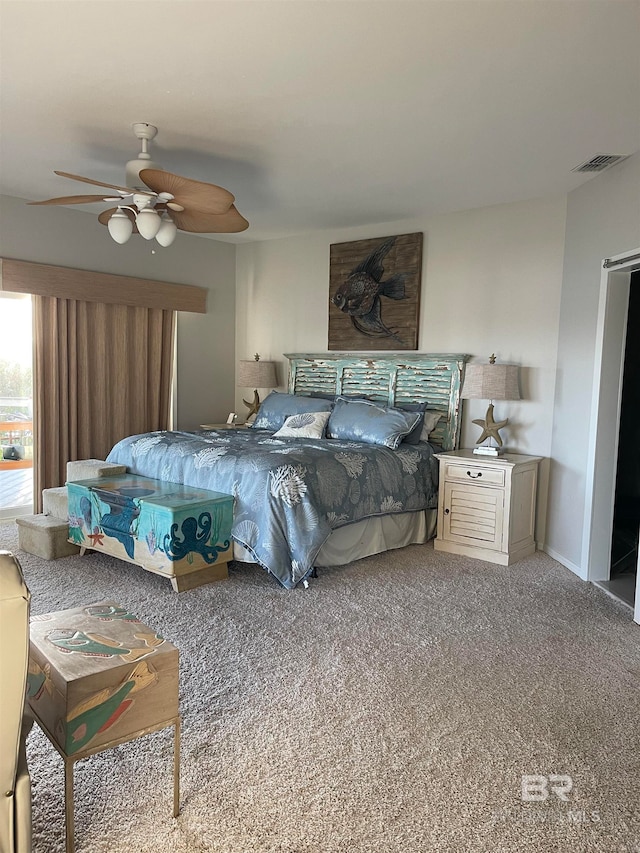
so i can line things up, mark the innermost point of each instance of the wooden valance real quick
(86, 286)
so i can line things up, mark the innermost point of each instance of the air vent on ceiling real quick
(599, 162)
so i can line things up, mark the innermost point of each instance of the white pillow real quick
(431, 418)
(305, 425)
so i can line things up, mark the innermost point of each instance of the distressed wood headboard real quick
(389, 378)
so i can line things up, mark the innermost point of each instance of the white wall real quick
(491, 282)
(69, 238)
(603, 219)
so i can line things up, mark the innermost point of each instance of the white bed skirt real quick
(369, 536)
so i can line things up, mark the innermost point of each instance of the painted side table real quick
(98, 677)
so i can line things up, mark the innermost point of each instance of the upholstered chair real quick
(15, 785)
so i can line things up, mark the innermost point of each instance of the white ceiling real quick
(320, 113)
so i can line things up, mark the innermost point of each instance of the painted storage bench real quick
(180, 532)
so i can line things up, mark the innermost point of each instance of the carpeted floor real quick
(392, 707)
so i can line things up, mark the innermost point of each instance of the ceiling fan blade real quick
(209, 223)
(192, 195)
(71, 199)
(106, 215)
(91, 181)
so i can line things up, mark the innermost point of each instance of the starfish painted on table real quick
(96, 537)
(490, 427)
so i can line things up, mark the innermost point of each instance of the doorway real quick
(626, 508)
(16, 406)
(602, 466)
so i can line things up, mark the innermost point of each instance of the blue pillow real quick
(277, 407)
(370, 422)
(416, 432)
(325, 395)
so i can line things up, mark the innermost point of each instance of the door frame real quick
(8, 512)
(605, 416)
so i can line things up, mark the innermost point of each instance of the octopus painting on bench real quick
(195, 535)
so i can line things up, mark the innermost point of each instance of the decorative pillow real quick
(325, 395)
(306, 425)
(277, 407)
(370, 422)
(416, 433)
(431, 419)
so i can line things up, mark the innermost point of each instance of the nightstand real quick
(487, 505)
(224, 426)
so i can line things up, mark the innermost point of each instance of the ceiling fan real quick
(156, 203)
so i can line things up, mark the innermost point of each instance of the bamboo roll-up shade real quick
(86, 286)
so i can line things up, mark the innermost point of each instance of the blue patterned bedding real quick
(289, 493)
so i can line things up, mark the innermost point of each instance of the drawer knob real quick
(474, 476)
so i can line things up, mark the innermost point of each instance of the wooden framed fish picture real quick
(374, 293)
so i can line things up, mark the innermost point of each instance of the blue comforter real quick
(289, 493)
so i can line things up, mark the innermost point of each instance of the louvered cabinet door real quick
(473, 515)
(486, 506)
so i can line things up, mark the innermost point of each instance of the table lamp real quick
(253, 373)
(490, 382)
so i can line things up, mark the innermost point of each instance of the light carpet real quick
(392, 707)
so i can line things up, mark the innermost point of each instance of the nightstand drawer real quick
(481, 475)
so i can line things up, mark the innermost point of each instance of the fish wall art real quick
(374, 293)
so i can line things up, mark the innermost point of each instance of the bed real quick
(304, 501)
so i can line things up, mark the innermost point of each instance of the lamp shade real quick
(120, 226)
(256, 374)
(148, 223)
(167, 231)
(491, 382)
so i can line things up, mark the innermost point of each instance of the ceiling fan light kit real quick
(120, 226)
(148, 223)
(167, 231)
(156, 204)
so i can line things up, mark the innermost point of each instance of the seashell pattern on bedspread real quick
(289, 493)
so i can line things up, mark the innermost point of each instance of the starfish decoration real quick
(253, 407)
(96, 537)
(490, 427)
